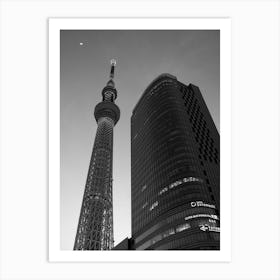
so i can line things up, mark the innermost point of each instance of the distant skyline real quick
(193, 56)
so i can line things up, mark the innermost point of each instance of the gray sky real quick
(191, 56)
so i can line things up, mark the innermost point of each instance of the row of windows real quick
(160, 173)
(179, 182)
(202, 225)
(194, 241)
(171, 186)
(169, 203)
(212, 216)
(177, 214)
(153, 193)
(163, 235)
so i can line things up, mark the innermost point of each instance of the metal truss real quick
(95, 227)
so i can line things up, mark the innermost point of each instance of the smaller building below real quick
(126, 244)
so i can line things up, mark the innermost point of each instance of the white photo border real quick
(57, 24)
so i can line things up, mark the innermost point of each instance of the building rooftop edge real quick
(161, 76)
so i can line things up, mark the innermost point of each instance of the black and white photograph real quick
(139, 139)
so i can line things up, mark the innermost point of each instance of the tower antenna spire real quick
(113, 65)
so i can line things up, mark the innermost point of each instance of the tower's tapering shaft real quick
(95, 227)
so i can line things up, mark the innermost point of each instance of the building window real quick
(154, 205)
(143, 188)
(144, 205)
(182, 227)
(163, 190)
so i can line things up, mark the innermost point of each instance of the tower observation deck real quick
(95, 226)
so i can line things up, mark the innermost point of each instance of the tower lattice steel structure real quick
(95, 227)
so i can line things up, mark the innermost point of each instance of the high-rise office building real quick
(175, 171)
(95, 227)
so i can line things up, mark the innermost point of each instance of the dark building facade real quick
(95, 227)
(175, 169)
(126, 244)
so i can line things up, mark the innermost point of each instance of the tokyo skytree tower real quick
(95, 227)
